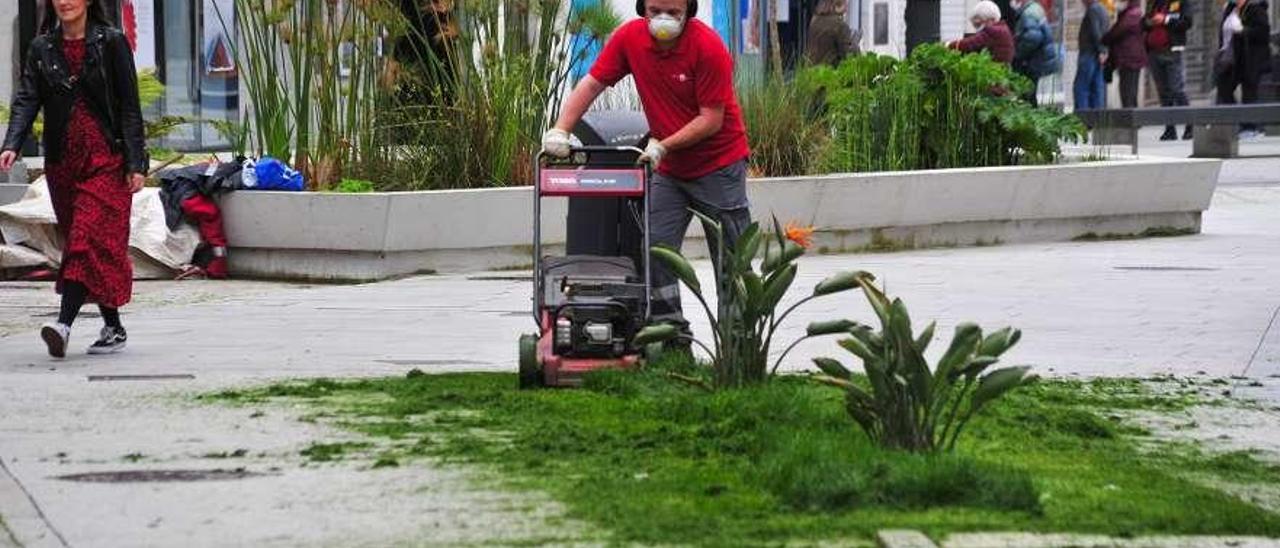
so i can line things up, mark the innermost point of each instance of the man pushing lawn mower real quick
(698, 144)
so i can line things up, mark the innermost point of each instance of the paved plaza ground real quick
(1194, 305)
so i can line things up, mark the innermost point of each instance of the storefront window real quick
(199, 71)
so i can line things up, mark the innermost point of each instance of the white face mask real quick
(664, 27)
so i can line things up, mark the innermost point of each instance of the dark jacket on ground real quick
(1128, 48)
(1250, 50)
(994, 38)
(1092, 28)
(108, 81)
(830, 40)
(1177, 20)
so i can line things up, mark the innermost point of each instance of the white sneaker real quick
(110, 340)
(56, 336)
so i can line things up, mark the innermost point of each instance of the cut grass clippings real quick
(655, 461)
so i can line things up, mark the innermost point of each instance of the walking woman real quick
(80, 72)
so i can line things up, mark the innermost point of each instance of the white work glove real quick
(653, 153)
(556, 143)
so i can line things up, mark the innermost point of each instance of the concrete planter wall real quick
(378, 235)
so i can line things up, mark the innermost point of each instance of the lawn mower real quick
(588, 307)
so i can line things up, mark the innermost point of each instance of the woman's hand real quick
(7, 159)
(136, 181)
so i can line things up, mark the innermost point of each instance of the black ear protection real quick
(689, 11)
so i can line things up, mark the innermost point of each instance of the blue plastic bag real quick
(272, 174)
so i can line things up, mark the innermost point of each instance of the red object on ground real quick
(673, 85)
(92, 203)
(40, 275)
(208, 218)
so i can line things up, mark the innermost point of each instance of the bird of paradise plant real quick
(747, 316)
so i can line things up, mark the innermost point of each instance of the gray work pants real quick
(721, 195)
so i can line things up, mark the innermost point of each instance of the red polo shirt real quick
(673, 84)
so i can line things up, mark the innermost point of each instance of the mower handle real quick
(542, 154)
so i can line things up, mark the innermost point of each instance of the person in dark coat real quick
(79, 73)
(830, 38)
(993, 35)
(1127, 50)
(1166, 25)
(1035, 55)
(1090, 88)
(1244, 54)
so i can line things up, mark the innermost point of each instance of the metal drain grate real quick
(1168, 268)
(111, 378)
(431, 362)
(160, 476)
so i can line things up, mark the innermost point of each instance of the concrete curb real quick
(23, 519)
(371, 236)
(907, 538)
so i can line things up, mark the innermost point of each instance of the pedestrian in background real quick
(1127, 50)
(830, 38)
(1166, 26)
(1034, 53)
(1244, 55)
(79, 71)
(1090, 89)
(993, 35)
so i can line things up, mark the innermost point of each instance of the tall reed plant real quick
(310, 68)
(483, 104)
(784, 125)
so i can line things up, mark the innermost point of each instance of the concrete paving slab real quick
(901, 538)
(1177, 305)
(1166, 305)
(1033, 540)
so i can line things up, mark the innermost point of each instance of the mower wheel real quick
(530, 373)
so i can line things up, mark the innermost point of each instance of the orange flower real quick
(801, 235)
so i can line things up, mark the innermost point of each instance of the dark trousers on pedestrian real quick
(1228, 81)
(1166, 70)
(721, 195)
(1129, 87)
(1089, 90)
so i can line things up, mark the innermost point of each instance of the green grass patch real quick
(327, 452)
(655, 461)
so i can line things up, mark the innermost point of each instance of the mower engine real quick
(594, 302)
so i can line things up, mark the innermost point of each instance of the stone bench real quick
(1216, 134)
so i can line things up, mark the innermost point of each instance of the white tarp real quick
(156, 252)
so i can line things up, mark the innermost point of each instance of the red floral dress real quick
(92, 202)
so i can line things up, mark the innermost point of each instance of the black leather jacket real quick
(108, 81)
(1251, 50)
